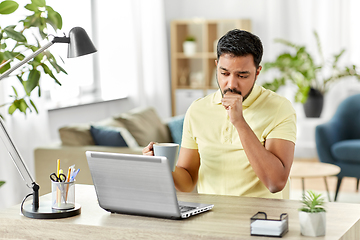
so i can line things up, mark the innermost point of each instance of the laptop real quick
(138, 185)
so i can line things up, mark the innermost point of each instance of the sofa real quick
(128, 133)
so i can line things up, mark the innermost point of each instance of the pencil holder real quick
(63, 195)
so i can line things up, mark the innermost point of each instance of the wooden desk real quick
(306, 169)
(230, 218)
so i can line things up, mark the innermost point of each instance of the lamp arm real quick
(25, 60)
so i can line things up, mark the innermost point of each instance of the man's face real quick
(237, 74)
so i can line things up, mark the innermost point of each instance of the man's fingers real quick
(148, 150)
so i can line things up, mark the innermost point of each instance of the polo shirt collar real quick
(250, 99)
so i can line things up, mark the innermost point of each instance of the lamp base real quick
(45, 211)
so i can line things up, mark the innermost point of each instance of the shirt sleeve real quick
(284, 126)
(188, 138)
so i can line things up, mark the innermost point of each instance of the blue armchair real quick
(338, 141)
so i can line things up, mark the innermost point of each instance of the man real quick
(239, 140)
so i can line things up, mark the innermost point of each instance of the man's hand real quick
(149, 150)
(232, 102)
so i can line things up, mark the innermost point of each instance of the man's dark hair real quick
(240, 43)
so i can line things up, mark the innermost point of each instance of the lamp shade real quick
(80, 43)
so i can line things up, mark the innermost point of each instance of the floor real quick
(347, 192)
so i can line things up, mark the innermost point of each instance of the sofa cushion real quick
(145, 126)
(76, 135)
(347, 151)
(113, 137)
(79, 134)
(105, 136)
(175, 125)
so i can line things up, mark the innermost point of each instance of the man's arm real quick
(271, 162)
(187, 168)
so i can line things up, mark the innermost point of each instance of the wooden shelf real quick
(197, 72)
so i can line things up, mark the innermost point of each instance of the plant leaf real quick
(23, 106)
(39, 3)
(12, 109)
(49, 72)
(14, 89)
(17, 36)
(54, 18)
(32, 7)
(32, 82)
(319, 47)
(2, 183)
(8, 7)
(33, 104)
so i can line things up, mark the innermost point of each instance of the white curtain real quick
(152, 55)
(133, 52)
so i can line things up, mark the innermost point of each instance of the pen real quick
(74, 175)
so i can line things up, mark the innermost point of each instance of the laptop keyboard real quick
(185, 208)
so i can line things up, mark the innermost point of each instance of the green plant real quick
(301, 70)
(13, 43)
(190, 39)
(1, 183)
(313, 202)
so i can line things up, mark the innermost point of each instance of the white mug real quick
(168, 150)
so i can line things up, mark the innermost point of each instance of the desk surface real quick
(304, 169)
(230, 218)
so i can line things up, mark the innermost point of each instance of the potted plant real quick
(15, 39)
(312, 80)
(312, 216)
(189, 46)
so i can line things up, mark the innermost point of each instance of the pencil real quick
(68, 180)
(58, 168)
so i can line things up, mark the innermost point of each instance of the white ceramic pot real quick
(312, 224)
(189, 48)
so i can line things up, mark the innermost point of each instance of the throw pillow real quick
(175, 125)
(80, 135)
(145, 126)
(76, 135)
(113, 137)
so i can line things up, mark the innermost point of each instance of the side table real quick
(305, 169)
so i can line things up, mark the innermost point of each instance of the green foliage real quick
(299, 68)
(13, 42)
(190, 39)
(2, 183)
(7, 7)
(313, 202)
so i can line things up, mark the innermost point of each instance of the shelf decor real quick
(189, 46)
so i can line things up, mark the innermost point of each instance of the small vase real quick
(314, 104)
(189, 48)
(312, 224)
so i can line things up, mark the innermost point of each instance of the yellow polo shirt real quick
(224, 166)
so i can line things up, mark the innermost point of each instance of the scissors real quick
(61, 178)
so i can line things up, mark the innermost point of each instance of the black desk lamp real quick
(79, 45)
